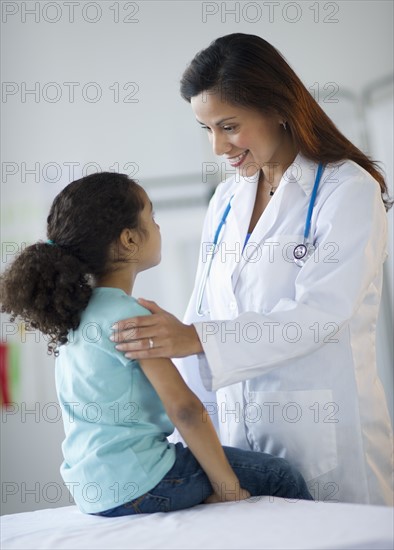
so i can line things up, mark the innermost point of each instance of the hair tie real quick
(52, 243)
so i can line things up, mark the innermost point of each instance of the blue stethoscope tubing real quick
(301, 251)
(207, 268)
(222, 222)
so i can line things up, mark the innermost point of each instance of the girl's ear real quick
(128, 239)
(128, 245)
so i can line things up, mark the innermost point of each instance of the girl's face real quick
(247, 139)
(149, 246)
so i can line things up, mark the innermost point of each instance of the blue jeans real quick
(186, 484)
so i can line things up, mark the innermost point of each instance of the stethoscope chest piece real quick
(300, 252)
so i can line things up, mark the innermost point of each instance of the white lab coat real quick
(290, 351)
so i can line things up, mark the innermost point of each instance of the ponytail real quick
(48, 288)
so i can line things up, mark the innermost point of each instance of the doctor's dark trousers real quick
(186, 484)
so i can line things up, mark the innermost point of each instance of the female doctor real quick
(281, 322)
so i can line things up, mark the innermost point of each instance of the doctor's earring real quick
(284, 124)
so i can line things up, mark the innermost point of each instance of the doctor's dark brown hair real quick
(49, 285)
(249, 72)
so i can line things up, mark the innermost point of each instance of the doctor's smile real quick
(238, 160)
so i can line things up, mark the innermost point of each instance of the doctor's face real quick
(245, 137)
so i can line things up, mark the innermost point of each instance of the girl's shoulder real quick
(108, 305)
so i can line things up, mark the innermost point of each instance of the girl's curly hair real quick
(49, 285)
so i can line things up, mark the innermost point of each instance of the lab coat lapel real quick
(263, 226)
(242, 207)
(220, 290)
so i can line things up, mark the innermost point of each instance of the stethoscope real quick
(301, 251)
(304, 250)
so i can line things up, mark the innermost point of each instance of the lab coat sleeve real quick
(350, 232)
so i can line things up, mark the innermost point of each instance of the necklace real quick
(272, 187)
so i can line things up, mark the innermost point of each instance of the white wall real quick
(345, 46)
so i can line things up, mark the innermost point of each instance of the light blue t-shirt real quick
(116, 446)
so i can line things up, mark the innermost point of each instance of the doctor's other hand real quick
(158, 335)
(226, 496)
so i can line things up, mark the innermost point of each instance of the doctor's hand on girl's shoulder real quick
(226, 496)
(158, 335)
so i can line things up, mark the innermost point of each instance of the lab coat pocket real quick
(297, 425)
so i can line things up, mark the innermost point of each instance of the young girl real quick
(117, 413)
